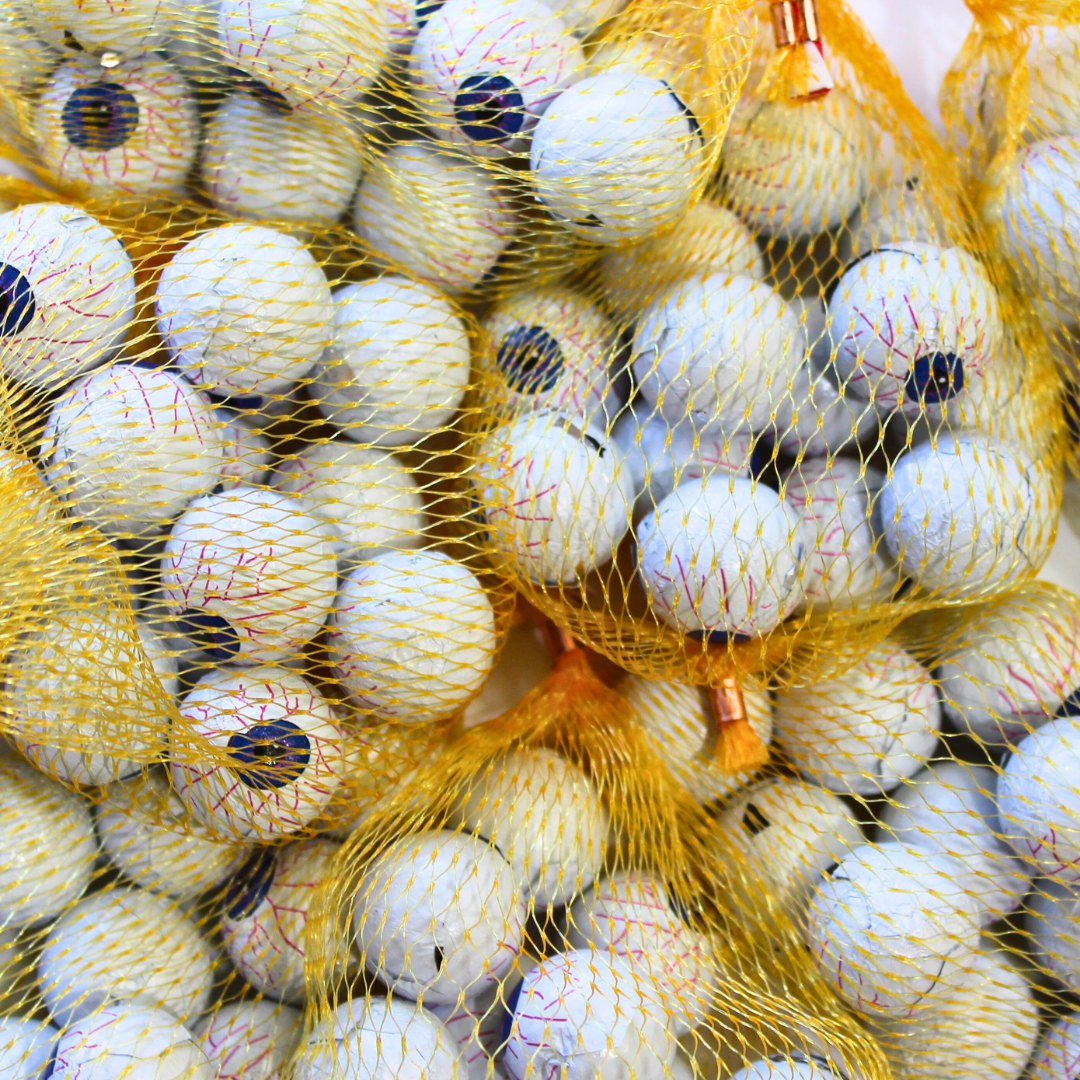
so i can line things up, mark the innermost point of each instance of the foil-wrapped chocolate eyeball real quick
(721, 558)
(119, 944)
(443, 218)
(610, 134)
(309, 51)
(129, 129)
(67, 294)
(913, 326)
(795, 170)
(261, 162)
(260, 755)
(484, 72)
(244, 311)
(397, 366)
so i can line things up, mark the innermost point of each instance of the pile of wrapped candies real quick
(521, 541)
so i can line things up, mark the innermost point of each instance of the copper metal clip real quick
(795, 22)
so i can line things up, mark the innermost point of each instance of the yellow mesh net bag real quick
(813, 407)
(295, 784)
(1009, 103)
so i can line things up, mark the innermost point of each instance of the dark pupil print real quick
(270, 755)
(530, 359)
(440, 958)
(210, 633)
(250, 884)
(425, 10)
(691, 119)
(754, 821)
(17, 304)
(489, 108)
(100, 117)
(935, 378)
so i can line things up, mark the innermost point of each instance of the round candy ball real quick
(128, 447)
(249, 1040)
(439, 216)
(1039, 220)
(545, 815)
(251, 575)
(297, 165)
(67, 289)
(793, 170)
(718, 352)
(581, 1013)
(863, 731)
(439, 915)
(890, 927)
(794, 1065)
(132, 1039)
(266, 912)
(50, 848)
(412, 636)
(846, 563)
(309, 51)
(557, 499)
(1053, 59)
(708, 240)
(551, 346)
(637, 918)
(951, 808)
(721, 558)
(397, 364)
(244, 311)
(1012, 666)
(789, 834)
(953, 512)
(1039, 800)
(130, 129)
(484, 71)
(371, 1038)
(914, 326)
(608, 135)
(259, 754)
(118, 944)
(368, 499)
(147, 833)
(988, 1023)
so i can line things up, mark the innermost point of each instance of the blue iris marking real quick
(935, 378)
(489, 108)
(270, 755)
(511, 1008)
(1071, 705)
(100, 117)
(17, 304)
(424, 10)
(210, 633)
(691, 119)
(530, 359)
(251, 883)
(718, 637)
